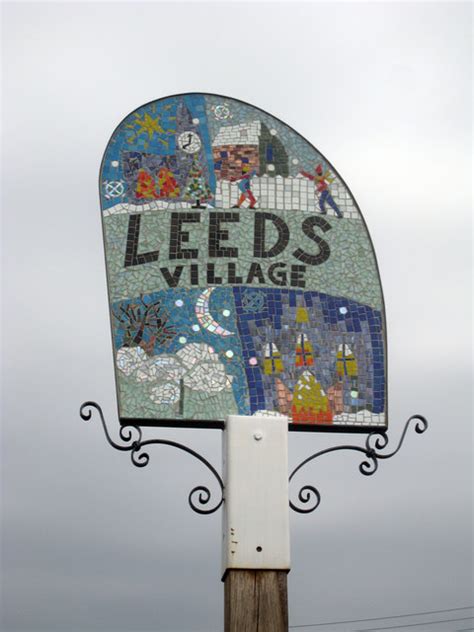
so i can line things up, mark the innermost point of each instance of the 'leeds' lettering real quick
(132, 257)
(259, 235)
(324, 251)
(233, 272)
(178, 235)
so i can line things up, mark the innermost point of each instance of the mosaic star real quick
(146, 124)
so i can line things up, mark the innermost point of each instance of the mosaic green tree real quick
(197, 187)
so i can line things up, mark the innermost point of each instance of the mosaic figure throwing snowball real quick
(322, 182)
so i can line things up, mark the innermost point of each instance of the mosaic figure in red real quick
(322, 181)
(244, 186)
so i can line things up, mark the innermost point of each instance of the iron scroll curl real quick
(309, 496)
(199, 497)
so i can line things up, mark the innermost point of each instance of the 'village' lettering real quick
(280, 274)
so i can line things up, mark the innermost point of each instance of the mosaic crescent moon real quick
(204, 316)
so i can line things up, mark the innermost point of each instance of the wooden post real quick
(255, 601)
(256, 542)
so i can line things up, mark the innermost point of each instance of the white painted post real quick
(256, 535)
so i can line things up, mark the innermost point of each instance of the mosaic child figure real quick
(322, 182)
(244, 186)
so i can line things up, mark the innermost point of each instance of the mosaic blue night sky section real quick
(241, 276)
(278, 314)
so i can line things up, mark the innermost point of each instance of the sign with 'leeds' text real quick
(241, 276)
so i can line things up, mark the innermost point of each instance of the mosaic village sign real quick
(242, 279)
(245, 295)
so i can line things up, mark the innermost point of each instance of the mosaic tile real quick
(241, 275)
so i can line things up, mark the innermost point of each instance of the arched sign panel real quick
(241, 275)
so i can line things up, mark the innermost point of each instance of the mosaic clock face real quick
(189, 142)
(242, 278)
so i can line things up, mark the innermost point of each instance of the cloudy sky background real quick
(384, 91)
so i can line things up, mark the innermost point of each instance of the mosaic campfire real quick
(242, 279)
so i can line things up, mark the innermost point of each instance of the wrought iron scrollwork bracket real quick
(199, 497)
(309, 496)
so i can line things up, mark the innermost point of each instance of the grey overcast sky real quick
(384, 91)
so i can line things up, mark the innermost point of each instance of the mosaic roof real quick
(241, 275)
